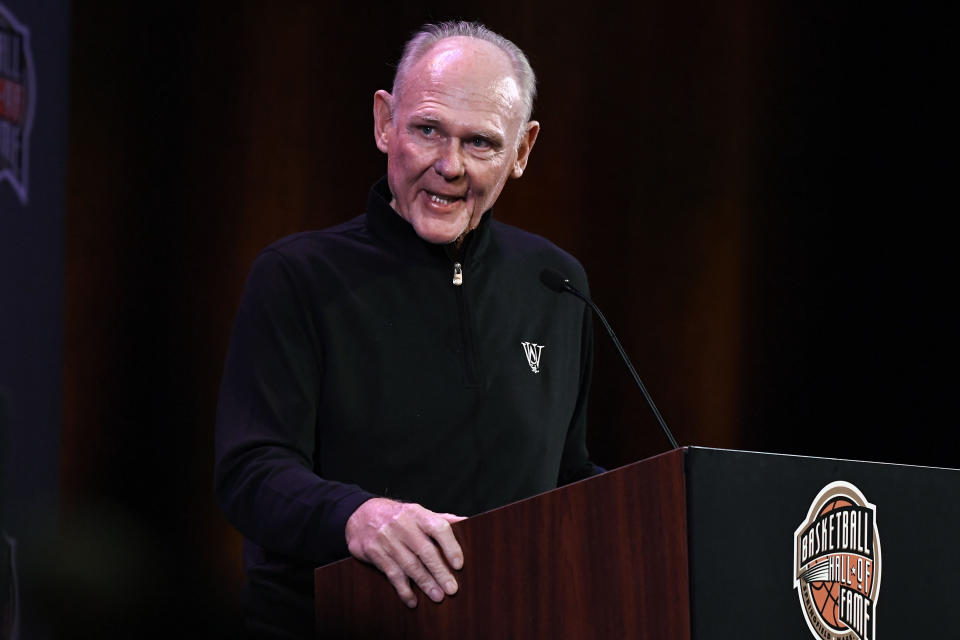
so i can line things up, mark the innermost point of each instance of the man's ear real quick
(527, 141)
(382, 119)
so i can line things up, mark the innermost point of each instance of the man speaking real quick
(391, 375)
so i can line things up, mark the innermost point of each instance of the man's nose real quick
(449, 163)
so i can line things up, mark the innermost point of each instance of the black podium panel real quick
(745, 509)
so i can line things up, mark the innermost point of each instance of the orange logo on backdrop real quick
(836, 564)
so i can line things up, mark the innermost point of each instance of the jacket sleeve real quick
(267, 417)
(575, 463)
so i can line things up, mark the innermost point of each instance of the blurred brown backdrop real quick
(756, 190)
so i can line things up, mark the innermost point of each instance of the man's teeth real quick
(441, 199)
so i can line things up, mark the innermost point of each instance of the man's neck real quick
(453, 249)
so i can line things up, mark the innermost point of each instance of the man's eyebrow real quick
(426, 119)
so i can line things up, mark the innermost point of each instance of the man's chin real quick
(438, 233)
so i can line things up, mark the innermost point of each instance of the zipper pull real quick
(457, 274)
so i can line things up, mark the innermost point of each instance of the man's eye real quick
(480, 143)
(426, 130)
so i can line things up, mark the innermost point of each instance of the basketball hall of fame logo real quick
(836, 564)
(17, 102)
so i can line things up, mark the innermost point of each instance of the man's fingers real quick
(426, 565)
(420, 571)
(418, 558)
(440, 530)
(428, 553)
(395, 574)
(451, 517)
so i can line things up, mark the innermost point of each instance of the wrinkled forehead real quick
(469, 69)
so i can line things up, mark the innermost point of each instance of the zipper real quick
(457, 274)
(472, 378)
(466, 330)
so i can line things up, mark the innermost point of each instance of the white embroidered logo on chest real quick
(533, 352)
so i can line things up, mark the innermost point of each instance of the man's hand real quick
(405, 542)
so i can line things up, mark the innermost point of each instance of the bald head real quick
(431, 35)
(474, 70)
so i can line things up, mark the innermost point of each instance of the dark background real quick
(758, 192)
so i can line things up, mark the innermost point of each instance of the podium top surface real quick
(693, 448)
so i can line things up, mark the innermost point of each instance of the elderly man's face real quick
(452, 137)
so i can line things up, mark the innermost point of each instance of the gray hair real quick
(430, 34)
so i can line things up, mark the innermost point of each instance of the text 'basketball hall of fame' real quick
(836, 564)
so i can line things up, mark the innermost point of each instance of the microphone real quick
(555, 281)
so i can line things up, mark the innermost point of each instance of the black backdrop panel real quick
(742, 535)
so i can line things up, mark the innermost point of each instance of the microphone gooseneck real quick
(556, 282)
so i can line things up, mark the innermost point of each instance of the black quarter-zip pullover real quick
(358, 368)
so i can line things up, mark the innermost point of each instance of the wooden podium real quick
(694, 543)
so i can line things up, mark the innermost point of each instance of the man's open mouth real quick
(442, 199)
